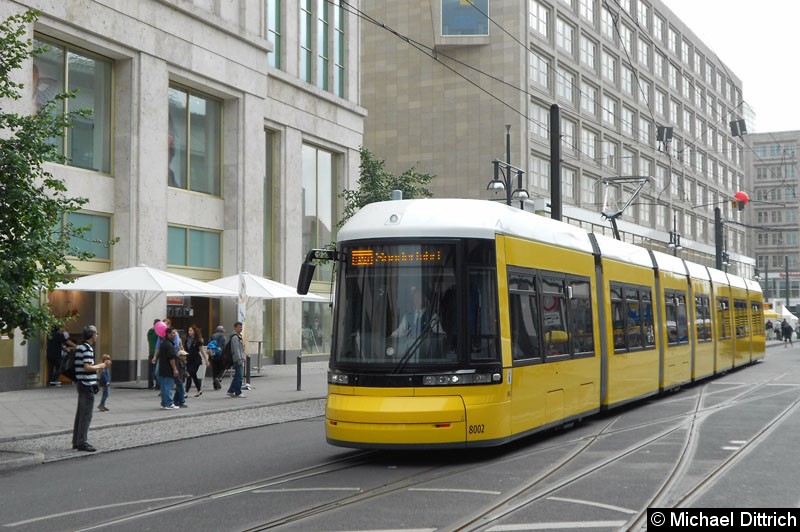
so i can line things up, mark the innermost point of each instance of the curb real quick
(15, 460)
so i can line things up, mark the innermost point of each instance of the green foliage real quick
(34, 238)
(376, 184)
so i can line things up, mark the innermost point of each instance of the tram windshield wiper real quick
(415, 345)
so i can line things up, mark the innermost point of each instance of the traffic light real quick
(738, 204)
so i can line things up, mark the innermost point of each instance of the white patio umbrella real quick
(257, 287)
(142, 285)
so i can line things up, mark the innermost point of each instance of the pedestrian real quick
(104, 381)
(768, 328)
(786, 332)
(168, 369)
(778, 332)
(152, 340)
(217, 367)
(86, 384)
(237, 355)
(57, 344)
(179, 399)
(196, 347)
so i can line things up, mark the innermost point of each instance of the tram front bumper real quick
(375, 421)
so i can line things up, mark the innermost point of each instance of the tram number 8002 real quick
(475, 429)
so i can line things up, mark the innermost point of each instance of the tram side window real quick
(648, 325)
(617, 317)
(554, 317)
(524, 316)
(633, 313)
(740, 316)
(582, 326)
(632, 318)
(677, 324)
(756, 321)
(702, 317)
(723, 318)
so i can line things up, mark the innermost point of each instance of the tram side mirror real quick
(306, 274)
(308, 266)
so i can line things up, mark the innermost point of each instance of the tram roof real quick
(459, 218)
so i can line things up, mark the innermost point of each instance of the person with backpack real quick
(236, 349)
(214, 349)
(86, 384)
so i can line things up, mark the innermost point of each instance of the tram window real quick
(524, 316)
(681, 317)
(633, 313)
(648, 327)
(618, 318)
(723, 318)
(632, 318)
(581, 323)
(740, 316)
(554, 317)
(482, 315)
(702, 318)
(757, 324)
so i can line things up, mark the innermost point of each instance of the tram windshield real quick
(401, 306)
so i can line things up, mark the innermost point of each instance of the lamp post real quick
(497, 184)
(674, 236)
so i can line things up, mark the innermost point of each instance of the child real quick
(104, 381)
(180, 392)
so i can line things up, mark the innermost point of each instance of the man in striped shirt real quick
(86, 384)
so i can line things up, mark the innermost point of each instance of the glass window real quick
(539, 15)
(194, 248)
(97, 237)
(87, 144)
(465, 18)
(411, 312)
(194, 142)
(318, 181)
(632, 318)
(274, 34)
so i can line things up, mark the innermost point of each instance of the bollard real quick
(247, 369)
(299, 363)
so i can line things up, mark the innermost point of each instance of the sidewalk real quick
(36, 424)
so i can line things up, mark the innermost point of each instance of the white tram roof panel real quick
(736, 281)
(624, 252)
(697, 271)
(459, 218)
(752, 285)
(718, 276)
(669, 263)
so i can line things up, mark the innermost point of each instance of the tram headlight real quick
(460, 379)
(338, 378)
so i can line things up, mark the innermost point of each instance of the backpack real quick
(68, 365)
(213, 348)
(227, 353)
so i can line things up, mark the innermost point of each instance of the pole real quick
(508, 164)
(718, 235)
(766, 277)
(555, 163)
(299, 373)
(786, 266)
(674, 234)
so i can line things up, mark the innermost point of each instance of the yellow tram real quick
(465, 323)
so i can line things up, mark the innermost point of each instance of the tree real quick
(376, 184)
(34, 206)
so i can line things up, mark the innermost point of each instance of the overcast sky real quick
(758, 40)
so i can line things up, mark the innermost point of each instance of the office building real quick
(220, 134)
(640, 95)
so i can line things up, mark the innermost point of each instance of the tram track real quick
(525, 494)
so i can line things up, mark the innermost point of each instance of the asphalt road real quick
(728, 442)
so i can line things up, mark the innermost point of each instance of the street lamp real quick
(674, 236)
(497, 184)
